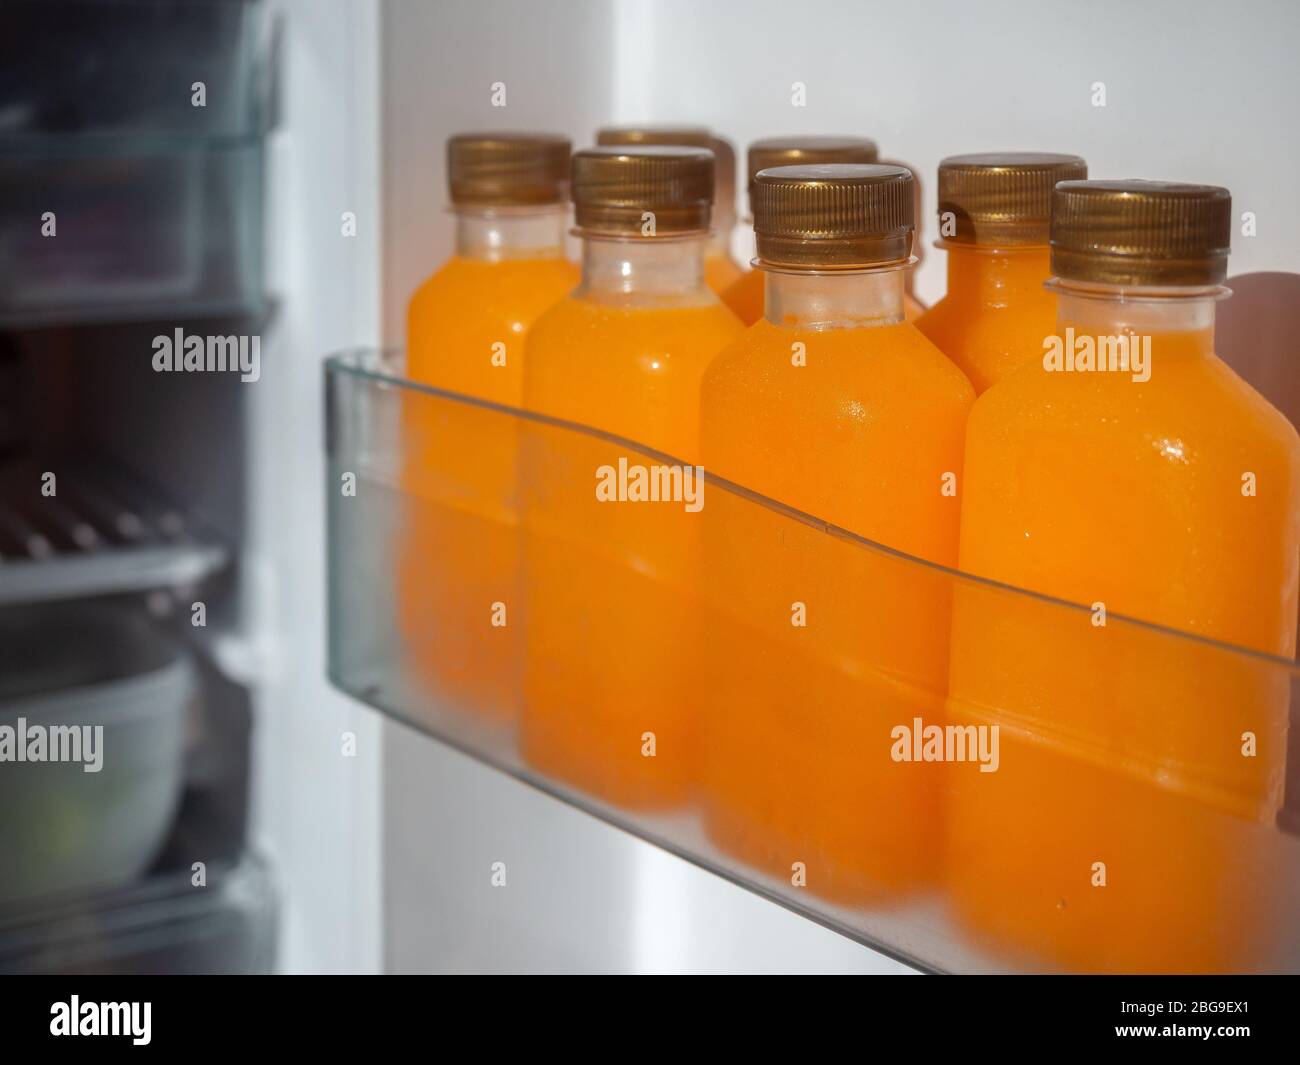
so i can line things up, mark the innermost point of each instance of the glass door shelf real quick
(963, 775)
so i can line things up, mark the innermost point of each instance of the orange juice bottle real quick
(465, 331)
(1124, 467)
(610, 636)
(994, 211)
(833, 404)
(720, 267)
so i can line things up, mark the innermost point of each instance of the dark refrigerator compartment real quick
(92, 68)
(126, 214)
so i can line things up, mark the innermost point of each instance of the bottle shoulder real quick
(1198, 401)
(529, 281)
(893, 364)
(576, 327)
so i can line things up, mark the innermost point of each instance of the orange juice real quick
(1124, 467)
(835, 405)
(720, 268)
(465, 333)
(610, 703)
(994, 211)
(467, 323)
(721, 271)
(744, 296)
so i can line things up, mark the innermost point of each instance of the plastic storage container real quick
(1063, 845)
(128, 190)
(141, 229)
(90, 666)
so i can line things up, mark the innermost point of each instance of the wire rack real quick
(98, 532)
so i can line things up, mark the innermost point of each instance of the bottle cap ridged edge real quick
(614, 188)
(833, 215)
(1002, 198)
(1141, 233)
(724, 155)
(800, 151)
(494, 169)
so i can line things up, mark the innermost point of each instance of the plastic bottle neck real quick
(1163, 313)
(719, 243)
(511, 233)
(845, 300)
(997, 277)
(644, 269)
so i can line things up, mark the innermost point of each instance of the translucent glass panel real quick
(965, 775)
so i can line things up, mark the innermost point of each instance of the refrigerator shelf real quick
(102, 532)
(757, 692)
(159, 924)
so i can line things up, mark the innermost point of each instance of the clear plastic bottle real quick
(720, 266)
(745, 295)
(836, 405)
(466, 326)
(1126, 468)
(611, 639)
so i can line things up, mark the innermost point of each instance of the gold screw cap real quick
(724, 155)
(833, 215)
(1002, 198)
(1141, 232)
(615, 187)
(689, 136)
(507, 169)
(798, 151)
